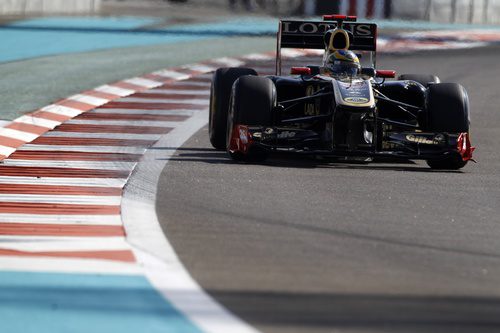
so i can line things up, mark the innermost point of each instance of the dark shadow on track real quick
(373, 313)
(291, 160)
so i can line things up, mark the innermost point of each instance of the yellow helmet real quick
(342, 62)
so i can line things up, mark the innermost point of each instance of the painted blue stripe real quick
(121, 22)
(77, 303)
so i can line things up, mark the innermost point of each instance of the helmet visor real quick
(344, 68)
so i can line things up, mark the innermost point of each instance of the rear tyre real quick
(423, 79)
(252, 102)
(220, 93)
(447, 111)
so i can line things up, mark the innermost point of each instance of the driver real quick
(341, 63)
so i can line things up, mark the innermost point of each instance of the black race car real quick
(347, 115)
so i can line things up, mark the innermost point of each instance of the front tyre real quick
(220, 92)
(447, 111)
(252, 102)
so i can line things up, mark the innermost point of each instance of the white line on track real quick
(110, 89)
(97, 165)
(130, 136)
(172, 74)
(170, 92)
(228, 62)
(62, 219)
(88, 149)
(184, 112)
(53, 181)
(145, 123)
(163, 267)
(62, 199)
(70, 265)
(144, 82)
(259, 56)
(6, 151)
(92, 100)
(58, 243)
(193, 101)
(18, 135)
(62, 110)
(37, 121)
(200, 68)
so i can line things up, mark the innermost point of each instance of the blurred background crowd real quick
(447, 11)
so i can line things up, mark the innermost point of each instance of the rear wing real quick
(310, 35)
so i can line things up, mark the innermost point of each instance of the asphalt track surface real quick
(294, 245)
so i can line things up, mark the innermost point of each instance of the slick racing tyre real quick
(447, 111)
(220, 93)
(252, 102)
(423, 79)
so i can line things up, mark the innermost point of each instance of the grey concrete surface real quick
(298, 246)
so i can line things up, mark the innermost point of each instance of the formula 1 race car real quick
(340, 109)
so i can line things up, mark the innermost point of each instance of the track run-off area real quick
(102, 190)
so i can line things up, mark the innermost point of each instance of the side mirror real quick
(368, 71)
(386, 74)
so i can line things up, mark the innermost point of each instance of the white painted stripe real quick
(154, 252)
(50, 124)
(292, 53)
(89, 149)
(228, 62)
(92, 100)
(97, 165)
(200, 68)
(62, 110)
(193, 101)
(115, 90)
(58, 243)
(174, 92)
(6, 151)
(172, 74)
(144, 123)
(258, 56)
(143, 82)
(56, 181)
(70, 265)
(314, 53)
(124, 136)
(62, 219)
(178, 112)
(62, 199)
(18, 135)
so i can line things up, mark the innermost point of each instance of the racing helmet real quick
(342, 62)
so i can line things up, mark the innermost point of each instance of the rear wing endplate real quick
(310, 35)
